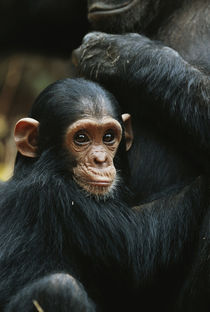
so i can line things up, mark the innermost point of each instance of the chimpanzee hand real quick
(102, 56)
(130, 58)
(57, 292)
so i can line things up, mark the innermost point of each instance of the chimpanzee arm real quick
(55, 292)
(177, 93)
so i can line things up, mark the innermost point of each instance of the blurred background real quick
(36, 41)
(22, 78)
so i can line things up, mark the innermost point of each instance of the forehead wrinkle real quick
(96, 107)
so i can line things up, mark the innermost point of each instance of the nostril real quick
(100, 158)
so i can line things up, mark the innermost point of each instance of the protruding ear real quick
(26, 136)
(128, 130)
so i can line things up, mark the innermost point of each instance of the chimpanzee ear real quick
(26, 136)
(128, 130)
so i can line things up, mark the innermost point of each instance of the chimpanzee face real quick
(119, 16)
(93, 143)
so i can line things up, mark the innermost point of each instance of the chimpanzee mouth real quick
(100, 8)
(100, 183)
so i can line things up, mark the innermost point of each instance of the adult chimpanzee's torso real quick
(165, 162)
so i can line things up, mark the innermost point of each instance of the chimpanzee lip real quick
(106, 182)
(100, 183)
(101, 8)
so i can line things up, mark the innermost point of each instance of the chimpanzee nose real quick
(100, 158)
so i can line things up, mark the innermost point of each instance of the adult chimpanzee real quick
(162, 73)
(69, 239)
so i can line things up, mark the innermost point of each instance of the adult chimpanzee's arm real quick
(174, 244)
(132, 66)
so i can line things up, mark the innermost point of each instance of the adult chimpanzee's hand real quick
(131, 59)
(103, 56)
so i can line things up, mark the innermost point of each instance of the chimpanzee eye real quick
(109, 137)
(81, 138)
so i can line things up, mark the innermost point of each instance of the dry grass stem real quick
(37, 306)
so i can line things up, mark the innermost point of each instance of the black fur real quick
(62, 249)
(49, 228)
(159, 72)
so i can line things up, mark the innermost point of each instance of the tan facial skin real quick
(92, 142)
